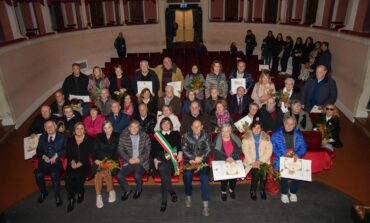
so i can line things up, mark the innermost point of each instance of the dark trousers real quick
(53, 169)
(267, 58)
(165, 170)
(249, 51)
(296, 67)
(138, 170)
(256, 176)
(75, 180)
(275, 62)
(231, 183)
(122, 54)
(188, 178)
(284, 63)
(285, 188)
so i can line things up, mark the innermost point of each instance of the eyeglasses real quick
(329, 109)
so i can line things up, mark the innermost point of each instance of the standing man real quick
(250, 43)
(76, 83)
(120, 45)
(168, 72)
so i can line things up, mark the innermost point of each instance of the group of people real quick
(153, 130)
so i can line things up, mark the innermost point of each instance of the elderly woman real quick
(78, 150)
(128, 107)
(147, 98)
(257, 149)
(166, 143)
(216, 79)
(194, 75)
(227, 148)
(263, 89)
(289, 94)
(105, 147)
(210, 103)
(288, 141)
(220, 116)
(119, 83)
(167, 112)
(94, 122)
(68, 121)
(189, 99)
(302, 118)
(330, 120)
(147, 121)
(97, 81)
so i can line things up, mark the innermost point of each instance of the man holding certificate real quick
(288, 141)
(144, 74)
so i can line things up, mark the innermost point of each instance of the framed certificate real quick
(176, 87)
(30, 146)
(240, 124)
(263, 67)
(299, 170)
(144, 84)
(84, 98)
(223, 170)
(237, 82)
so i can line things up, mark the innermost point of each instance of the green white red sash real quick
(170, 153)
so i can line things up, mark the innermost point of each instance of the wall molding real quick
(348, 113)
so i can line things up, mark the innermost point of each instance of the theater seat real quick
(174, 179)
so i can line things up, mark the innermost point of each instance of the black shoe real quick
(71, 204)
(263, 195)
(253, 195)
(163, 206)
(58, 200)
(42, 197)
(173, 196)
(223, 196)
(126, 195)
(137, 194)
(232, 194)
(80, 198)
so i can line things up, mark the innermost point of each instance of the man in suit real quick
(76, 83)
(239, 102)
(59, 103)
(119, 119)
(134, 147)
(145, 74)
(49, 151)
(171, 100)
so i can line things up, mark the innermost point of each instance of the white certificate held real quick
(223, 170)
(176, 87)
(237, 82)
(84, 98)
(242, 122)
(144, 84)
(30, 145)
(299, 170)
(263, 67)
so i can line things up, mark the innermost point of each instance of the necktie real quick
(115, 117)
(240, 105)
(50, 139)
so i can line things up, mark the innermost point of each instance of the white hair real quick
(289, 79)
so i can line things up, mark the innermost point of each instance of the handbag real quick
(272, 186)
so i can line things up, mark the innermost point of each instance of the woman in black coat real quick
(288, 46)
(297, 55)
(307, 48)
(78, 151)
(119, 83)
(105, 147)
(165, 166)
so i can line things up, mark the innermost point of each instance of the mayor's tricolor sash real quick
(170, 153)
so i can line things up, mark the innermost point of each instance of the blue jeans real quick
(188, 178)
(284, 186)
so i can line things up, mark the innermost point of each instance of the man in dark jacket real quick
(38, 122)
(119, 119)
(120, 45)
(319, 90)
(59, 103)
(324, 57)
(171, 100)
(49, 150)
(239, 102)
(76, 83)
(241, 72)
(145, 74)
(250, 43)
(271, 116)
(195, 114)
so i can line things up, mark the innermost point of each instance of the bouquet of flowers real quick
(270, 92)
(108, 165)
(119, 96)
(282, 96)
(195, 84)
(195, 166)
(325, 131)
(267, 170)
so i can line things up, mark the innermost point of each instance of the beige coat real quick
(249, 149)
(176, 76)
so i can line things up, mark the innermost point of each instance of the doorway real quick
(184, 27)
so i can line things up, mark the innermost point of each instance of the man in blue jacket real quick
(287, 141)
(49, 151)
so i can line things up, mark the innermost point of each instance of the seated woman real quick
(302, 117)
(78, 150)
(94, 122)
(192, 78)
(105, 147)
(220, 116)
(287, 141)
(97, 81)
(167, 112)
(129, 107)
(68, 121)
(257, 149)
(190, 98)
(146, 120)
(151, 102)
(119, 83)
(216, 79)
(166, 145)
(228, 149)
(329, 121)
(263, 89)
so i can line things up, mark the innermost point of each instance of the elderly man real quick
(239, 102)
(196, 149)
(195, 114)
(76, 83)
(119, 119)
(288, 141)
(59, 103)
(319, 90)
(241, 72)
(49, 150)
(38, 122)
(134, 147)
(171, 100)
(146, 120)
(105, 102)
(145, 74)
(270, 116)
(168, 72)
(210, 102)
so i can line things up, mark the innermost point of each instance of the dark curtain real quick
(116, 8)
(136, 11)
(271, 9)
(97, 15)
(2, 37)
(231, 10)
(311, 11)
(250, 10)
(57, 14)
(197, 20)
(170, 19)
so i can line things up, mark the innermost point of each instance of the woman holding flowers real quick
(105, 162)
(97, 81)
(263, 89)
(194, 81)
